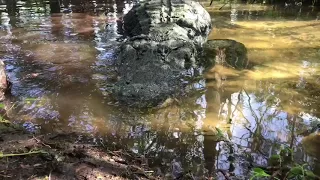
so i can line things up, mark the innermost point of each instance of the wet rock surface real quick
(225, 52)
(149, 77)
(161, 51)
(150, 19)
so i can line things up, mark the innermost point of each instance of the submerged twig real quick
(40, 142)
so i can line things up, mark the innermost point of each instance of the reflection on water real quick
(61, 65)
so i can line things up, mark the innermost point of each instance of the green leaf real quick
(260, 172)
(274, 160)
(2, 105)
(275, 156)
(31, 99)
(295, 171)
(220, 132)
(310, 174)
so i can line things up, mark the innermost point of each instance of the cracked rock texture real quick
(161, 51)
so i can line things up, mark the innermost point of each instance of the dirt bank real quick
(65, 156)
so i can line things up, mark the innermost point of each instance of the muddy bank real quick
(65, 156)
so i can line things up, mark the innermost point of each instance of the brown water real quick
(61, 64)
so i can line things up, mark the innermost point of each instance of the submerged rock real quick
(222, 58)
(225, 52)
(161, 52)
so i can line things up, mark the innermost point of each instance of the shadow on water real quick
(60, 65)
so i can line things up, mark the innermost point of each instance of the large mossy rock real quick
(161, 51)
(151, 18)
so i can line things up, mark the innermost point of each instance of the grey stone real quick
(153, 15)
(162, 47)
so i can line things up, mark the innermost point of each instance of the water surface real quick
(61, 64)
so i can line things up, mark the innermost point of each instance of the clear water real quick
(60, 65)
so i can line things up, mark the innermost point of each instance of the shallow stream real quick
(60, 65)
